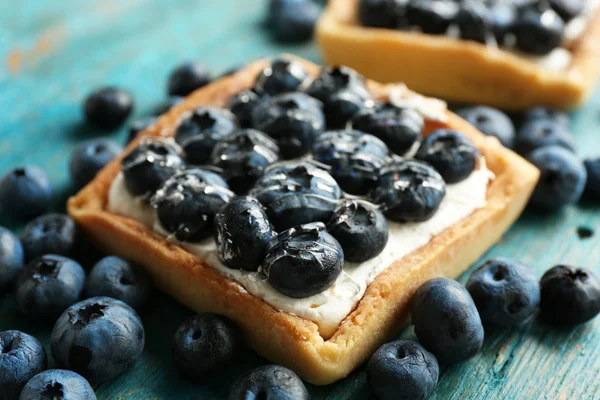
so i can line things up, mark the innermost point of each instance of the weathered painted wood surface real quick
(53, 53)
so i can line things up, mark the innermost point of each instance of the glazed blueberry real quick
(303, 261)
(432, 16)
(399, 128)
(187, 77)
(360, 228)
(242, 105)
(355, 158)
(120, 279)
(243, 232)
(567, 9)
(343, 93)
(108, 107)
(58, 384)
(592, 186)
(538, 31)
(198, 133)
(49, 234)
(491, 122)
(48, 285)
(12, 258)
(138, 126)
(293, 120)
(89, 158)
(402, 369)
(452, 154)
(171, 102)
(186, 205)
(21, 357)
(204, 345)
(25, 192)
(408, 191)
(294, 20)
(446, 320)
(380, 13)
(269, 382)
(542, 133)
(475, 21)
(149, 165)
(570, 296)
(505, 292)
(297, 193)
(558, 117)
(562, 177)
(281, 76)
(99, 338)
(244, 157)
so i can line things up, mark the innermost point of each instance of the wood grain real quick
(53, 53)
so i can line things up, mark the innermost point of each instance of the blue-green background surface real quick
(54, 52)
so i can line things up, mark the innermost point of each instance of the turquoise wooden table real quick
(53, 52)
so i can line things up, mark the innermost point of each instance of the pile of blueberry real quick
(531, 26)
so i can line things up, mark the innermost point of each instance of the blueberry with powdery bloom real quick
(21, 357)
(50, 234)
(542, 133)
(491, 122)
(269, 382)
(25, 192)
(108, 107)
(58, 384)
(187, 77)
(12, 259)
(89, 158)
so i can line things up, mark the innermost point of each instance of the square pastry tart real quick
(510, 54)
(320, 272)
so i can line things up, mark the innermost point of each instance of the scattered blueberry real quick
(408, 191)
(538, 31)
(446, 320)
(505, 292)
(568, 9)
(198, 133)
(491, 122)
(294, 20)
(25, 192)
(303, 261)
(138, 126)
(541, 133)
(243, 232)
(12, 258)
(269, 382)
(402, 369)
(242, 104)
(562, 177)
(556, 116)
(21, 357)
(58, 384)
(432, 16)
(204, 345)
(592, 186)
(171, 102)
(89, 158)
(120, 279)
(570, 296)
(452, 154)
(281, 76)
(49, 234)
(187, 77)
(108, 107)
(99, 338)
(380, 13)
(475, 21)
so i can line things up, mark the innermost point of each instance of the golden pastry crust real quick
(281, 337)
(457, 70)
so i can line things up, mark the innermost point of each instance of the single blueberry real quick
(297, 193)
(562, 177)
(108, 107)
(244, 157)
(570, 295)
(25, 192)
(49, 234)
(281, 76)
(293, 120)
(186, 204)
(452, 154)
(303, 261)
(89, 158)
(243, 232)
(21, 357)
(408, 191)
(48, 285)
(446, 320)
(269, 382)
(198, 133)
(147, 166)
(187, 77)
(355, 158)
(503, 19)
(165, 107)
(12, 258)
(120, 279)
(592, 185)
(541, 133)
(505, 292)
(557, 116)
(568, 9)
(475, 21)
(432, 16)
(58, 384)
(538, 31)
(139, 125)
(242, 104)
(380, 13)
(205, 345)
(402, 370)
(99, 338)
(399, 128)
(491, 122)
(294, 21)
(360, 228)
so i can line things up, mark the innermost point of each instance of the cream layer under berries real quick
(303, 191)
